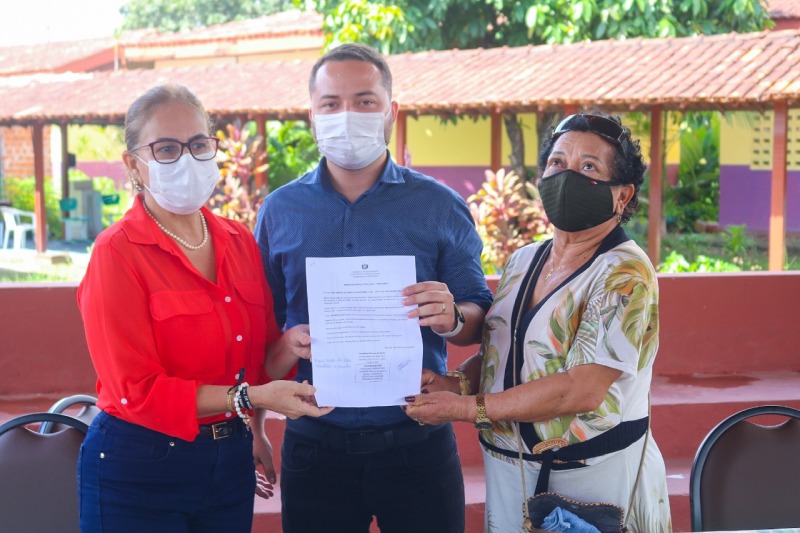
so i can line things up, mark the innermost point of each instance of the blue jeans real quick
(134, 479)
(416, 488)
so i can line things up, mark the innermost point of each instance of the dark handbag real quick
(606, 517)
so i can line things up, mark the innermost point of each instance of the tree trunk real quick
(517, 140)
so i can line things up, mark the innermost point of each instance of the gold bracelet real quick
(231, 394)
(464, 385)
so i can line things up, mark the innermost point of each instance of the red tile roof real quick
(283, 23)
(744, 71)
(50, 57)
(782, 9)
(148, 45)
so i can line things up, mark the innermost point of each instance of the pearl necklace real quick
(179, 240)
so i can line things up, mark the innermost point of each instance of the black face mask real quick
(574, 202)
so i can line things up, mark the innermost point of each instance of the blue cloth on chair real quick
(562, 520)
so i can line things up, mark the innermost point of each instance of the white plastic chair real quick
(13, 221)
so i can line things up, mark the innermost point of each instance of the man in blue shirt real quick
(339, 471)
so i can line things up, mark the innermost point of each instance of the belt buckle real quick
(549, 444)
(220, 430)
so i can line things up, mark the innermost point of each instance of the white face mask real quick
(184, 186)
(349, 139)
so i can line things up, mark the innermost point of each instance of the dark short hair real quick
(142, 109)
(628, 166)
(353, 52)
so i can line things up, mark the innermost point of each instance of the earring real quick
(135, 184)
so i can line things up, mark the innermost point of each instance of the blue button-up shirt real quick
(404, 213)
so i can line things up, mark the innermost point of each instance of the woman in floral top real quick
(563, 375)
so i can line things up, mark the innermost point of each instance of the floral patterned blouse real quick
(605, 313)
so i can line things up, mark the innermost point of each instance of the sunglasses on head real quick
(602, 126)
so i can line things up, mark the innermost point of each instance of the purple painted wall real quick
(744, 198)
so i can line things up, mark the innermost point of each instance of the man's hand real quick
(434, 305)
(433, 382)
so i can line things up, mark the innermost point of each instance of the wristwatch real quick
(481, 421)
(464, 385)
(460, 320)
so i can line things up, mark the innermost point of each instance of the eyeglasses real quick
(166, 152)
(602, 126)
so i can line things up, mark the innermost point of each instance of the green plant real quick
(96, 143)
(696, 195)
(739, 243)
(675, 263)
(291, 151)
(508, 215)
(20, 191)
(239, 159)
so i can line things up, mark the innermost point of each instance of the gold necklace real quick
(554, 268)
(180, 240)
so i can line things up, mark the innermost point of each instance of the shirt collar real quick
(141, 229)
(392, 173)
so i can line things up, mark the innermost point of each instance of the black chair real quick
(86, 414)
(747, 476)
(39, 491)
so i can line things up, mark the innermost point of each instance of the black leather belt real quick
(361, 441)
(220, 430)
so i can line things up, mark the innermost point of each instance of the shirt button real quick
(239, 338)
(349, 245)
(124, 401)
(227, 299)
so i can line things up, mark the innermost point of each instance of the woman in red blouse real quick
(178, 319)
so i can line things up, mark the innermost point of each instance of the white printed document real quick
(365, 351)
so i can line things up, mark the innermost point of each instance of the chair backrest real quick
(86, 414)
(9, 218)
(747, 476)
(39, 489)
(68, 204)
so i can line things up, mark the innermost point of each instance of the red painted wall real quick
(706, 320)
(42, 347)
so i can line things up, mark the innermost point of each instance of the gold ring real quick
(444, 308)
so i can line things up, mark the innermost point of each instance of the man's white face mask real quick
(349, 139)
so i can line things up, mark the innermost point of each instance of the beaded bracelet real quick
(244, 399)
(239, 411)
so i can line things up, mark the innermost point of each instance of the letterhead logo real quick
(364, 266)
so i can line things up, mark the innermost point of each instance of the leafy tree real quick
(291, 151)
(175, 15)
(412, 25)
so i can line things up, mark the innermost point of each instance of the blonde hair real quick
(142, 109)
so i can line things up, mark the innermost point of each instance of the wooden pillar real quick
(261, 175)
(64, 161)
(777, 206)
(656, 188)
(401, 139)
(40, 211)
(497, 140)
